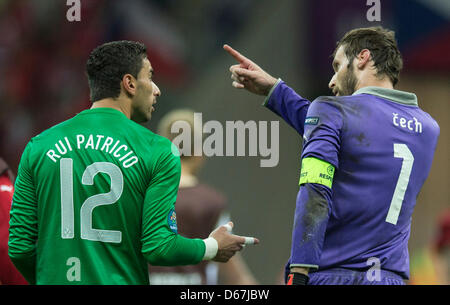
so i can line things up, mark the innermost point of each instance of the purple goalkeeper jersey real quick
(382, 145)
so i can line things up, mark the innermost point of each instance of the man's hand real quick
(248, 75)
(228, 243)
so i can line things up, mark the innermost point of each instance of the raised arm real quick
(280, 98)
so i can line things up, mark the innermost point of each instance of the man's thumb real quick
(229, 226)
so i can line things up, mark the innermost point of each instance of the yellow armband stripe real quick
(316, 171)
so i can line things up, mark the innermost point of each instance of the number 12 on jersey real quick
(67, 206)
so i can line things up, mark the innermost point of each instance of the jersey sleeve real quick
(323, 126)
(9, 275)
(23, 230)
(161, 245)
(285, 102)
(314, 201)
(312, 211)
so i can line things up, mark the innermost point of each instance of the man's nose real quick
(332, 82)
(156, 90)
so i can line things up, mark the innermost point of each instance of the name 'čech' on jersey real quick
(382, 148)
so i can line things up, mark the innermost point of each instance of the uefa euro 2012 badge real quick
(172, 221)
(313, 120)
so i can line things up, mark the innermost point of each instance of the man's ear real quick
(129, 84)
(363, 58)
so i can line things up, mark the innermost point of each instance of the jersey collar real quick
(397, 96)
(103, 110)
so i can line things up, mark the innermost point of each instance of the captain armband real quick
(316, 171)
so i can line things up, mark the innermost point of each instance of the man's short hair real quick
(382, 46)
(109, 62)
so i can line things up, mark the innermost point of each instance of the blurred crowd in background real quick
(44, 55)
(42, 67)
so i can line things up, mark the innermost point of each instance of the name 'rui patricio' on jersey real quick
(137, 175)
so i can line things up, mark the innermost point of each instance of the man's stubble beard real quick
(349, 83)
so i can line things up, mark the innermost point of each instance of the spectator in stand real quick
(431, 265)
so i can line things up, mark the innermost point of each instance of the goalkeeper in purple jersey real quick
(366, 154)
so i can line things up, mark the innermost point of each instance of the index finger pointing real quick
(238, 56)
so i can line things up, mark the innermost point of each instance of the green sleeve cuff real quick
(266, 100)
(316, 171)
(179, 251)
(26, 266)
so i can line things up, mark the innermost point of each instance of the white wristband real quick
(211, 248)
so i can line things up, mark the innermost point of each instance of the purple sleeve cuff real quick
(269, 97)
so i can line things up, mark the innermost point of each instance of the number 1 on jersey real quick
(67, 221)
(400, 151)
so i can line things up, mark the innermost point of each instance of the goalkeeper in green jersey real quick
(95, 195)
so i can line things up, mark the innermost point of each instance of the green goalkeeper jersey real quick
(94, 203)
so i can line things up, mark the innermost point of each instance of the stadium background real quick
(42, 61)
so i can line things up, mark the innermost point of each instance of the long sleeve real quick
(23, 230)
(312, 211)
(320, 158)
(285, 102)
(9, 275)
(161, 245)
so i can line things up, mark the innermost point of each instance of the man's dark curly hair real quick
(109, 62)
